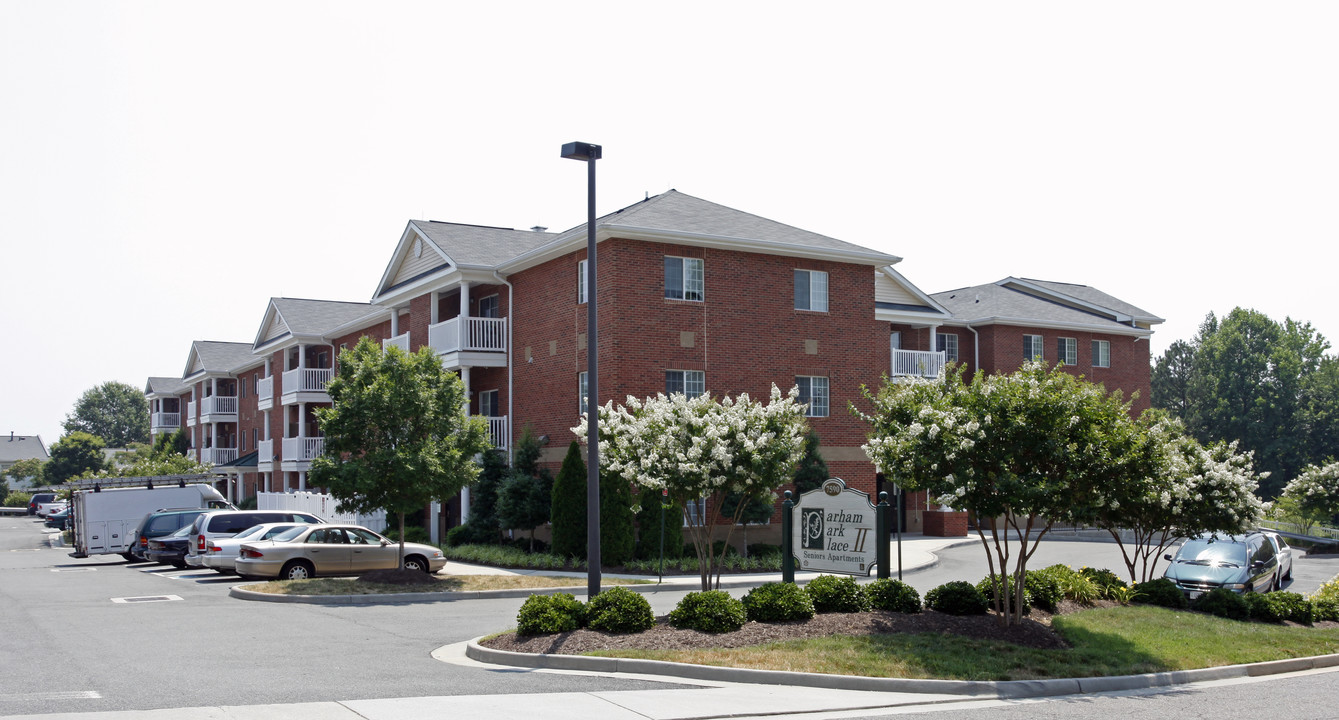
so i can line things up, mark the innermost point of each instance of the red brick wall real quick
(1002, 352)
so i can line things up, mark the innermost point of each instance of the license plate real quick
(1195, 593)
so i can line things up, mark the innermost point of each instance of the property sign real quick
(835, 532)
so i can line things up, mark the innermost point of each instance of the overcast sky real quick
(168, 167)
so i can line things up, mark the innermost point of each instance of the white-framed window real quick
(1032, 348)
(689, 382)
(947, 343)
(1102, 353)
(683, 278)
(1067, 351)
(695, 512)
(582, 392)
(488, 403)
(814, 393)
(581, 282)
(488, 306)
(811, 290)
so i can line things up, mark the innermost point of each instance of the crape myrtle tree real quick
(114, 411)
(397, 433)
(1021, 451)
(1315, 493)
(1188, 490)
(700, 449)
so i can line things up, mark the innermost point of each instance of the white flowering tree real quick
(700, 448)
(1188, 490)
(1021, 451)
(1314, 493)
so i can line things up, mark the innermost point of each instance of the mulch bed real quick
(1034, 632)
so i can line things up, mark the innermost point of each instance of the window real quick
(811, 290)
(582, 392)
(488, 403)
(814, 393)
(695, 513)
(255, 437)
(1102, 353)
(581, 282)
(947, 343)
(688, 382)
(488, 307)
(1067, 351)
(683, 278)
(1032, 348)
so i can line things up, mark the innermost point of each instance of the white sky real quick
(167, 167)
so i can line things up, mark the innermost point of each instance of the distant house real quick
(21, 447)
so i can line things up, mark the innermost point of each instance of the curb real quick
(1009, 689)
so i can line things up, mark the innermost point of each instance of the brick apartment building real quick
(694, 297)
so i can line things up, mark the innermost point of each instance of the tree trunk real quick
(401, 563)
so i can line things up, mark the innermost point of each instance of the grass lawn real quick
(1109, 641)
(444, 583)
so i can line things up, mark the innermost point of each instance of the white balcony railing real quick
(265, 450)
(218, 405)
(190, 411)
(476, 333)
(303, 449)
(497, 432)
(166, 420)
(401, 341)
(218, 455)
(265, 389)
(918, 363)
(307, 379)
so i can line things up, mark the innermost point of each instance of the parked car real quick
(220, 554)
(38, 499)
(1240, 563)
(158, 524)
(170, 549)
(221, 524)
(1285, 553)
(306, 552)
(50, 507)
(59, 520)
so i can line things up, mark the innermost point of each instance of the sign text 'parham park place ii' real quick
(835, 530)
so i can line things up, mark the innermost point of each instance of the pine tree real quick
(568, 507)
(616, 535)
(811, 473)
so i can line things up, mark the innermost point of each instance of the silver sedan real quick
(220, 554)
(312, 550)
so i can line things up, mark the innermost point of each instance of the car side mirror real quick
(1167, 556)
(385, 542)
(1258, 565)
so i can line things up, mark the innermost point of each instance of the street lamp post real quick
(589, 153)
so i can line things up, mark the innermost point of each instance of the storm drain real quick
(76, 569)
(147, 598)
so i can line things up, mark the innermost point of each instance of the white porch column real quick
(302, 427)
(464, 505)
(464, 301)
(302, 481)
(395, 322)
(432, 309)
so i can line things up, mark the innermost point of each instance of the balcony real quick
(917, 363)
(218, 405)
(306, 385)
(190, 413)
(401, 341)
(166, 421)
(472, 341)
(218, 455)
(497, 431)
(303, 449)
(265, 393)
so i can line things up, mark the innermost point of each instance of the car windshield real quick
(183, 531)
(249, 532)
(277, 530)
(287, 535)
(1212, 552)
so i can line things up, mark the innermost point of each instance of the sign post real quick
(787, 532)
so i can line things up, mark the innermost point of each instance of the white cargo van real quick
(104, 519)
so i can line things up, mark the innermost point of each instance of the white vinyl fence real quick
(319, 504)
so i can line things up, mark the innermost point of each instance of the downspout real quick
(976, 349)
(511, 417)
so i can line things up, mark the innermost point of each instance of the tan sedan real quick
(310, 550)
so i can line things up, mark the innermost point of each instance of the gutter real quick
(511, 417)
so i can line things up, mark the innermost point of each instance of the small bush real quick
(458, 535)
(1223, 603)
(1044, 586)
(619, 610)
(957, 598)
(247, 504)
(987, 589)
(712, 611)
(18, 499)
(1323, 609)
(1161, 592)
(778, 602)
(1277, 607)
(832, 594)
(894, 596)
(1104, 579)
(412, 533)
(763, 550)
(545, 614)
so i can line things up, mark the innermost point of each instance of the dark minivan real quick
(1240, 563)
(158, 524)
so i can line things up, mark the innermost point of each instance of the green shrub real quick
(1328, 591)
(712, 611)
(1104, 579)
(545, 614)
(18, 499)
(457, 536)
(987, 589)
(778, 602)
(1323, 609)
(1044, 586)
(957, 598)
(247, 504)
(1223, 603)
(619, 610)
(1161, 592)
(894, 596)
(1277, 607)
(763, 550)
(412, 533)
(832, 594)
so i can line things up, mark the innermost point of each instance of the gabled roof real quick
(430, 247)
(164, 386)
(1082, 296)
(299, 318)
(14, 448)
(1010, 302)
(222, 358)
(897, 299)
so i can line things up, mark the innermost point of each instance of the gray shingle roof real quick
(983, 302)
(221, 357)
(1094, 296)
(14, 448)
(480, 245)
(316, 317)
(165, 386)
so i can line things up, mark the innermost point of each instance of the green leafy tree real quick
(397, 435)
(812, 472)
(27, 470)
(568, 505)
(114, 411)
(1314, 493)
(524, 497)
(1171, 379)
(151, 462)
(74, 455)
(1320, 411)
(178, 442)
(617, 539)
(1021, 451)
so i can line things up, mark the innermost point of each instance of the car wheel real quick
(178, 564)
(297, 570)
(414, 562)
(1289, 575)
(130, 557)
